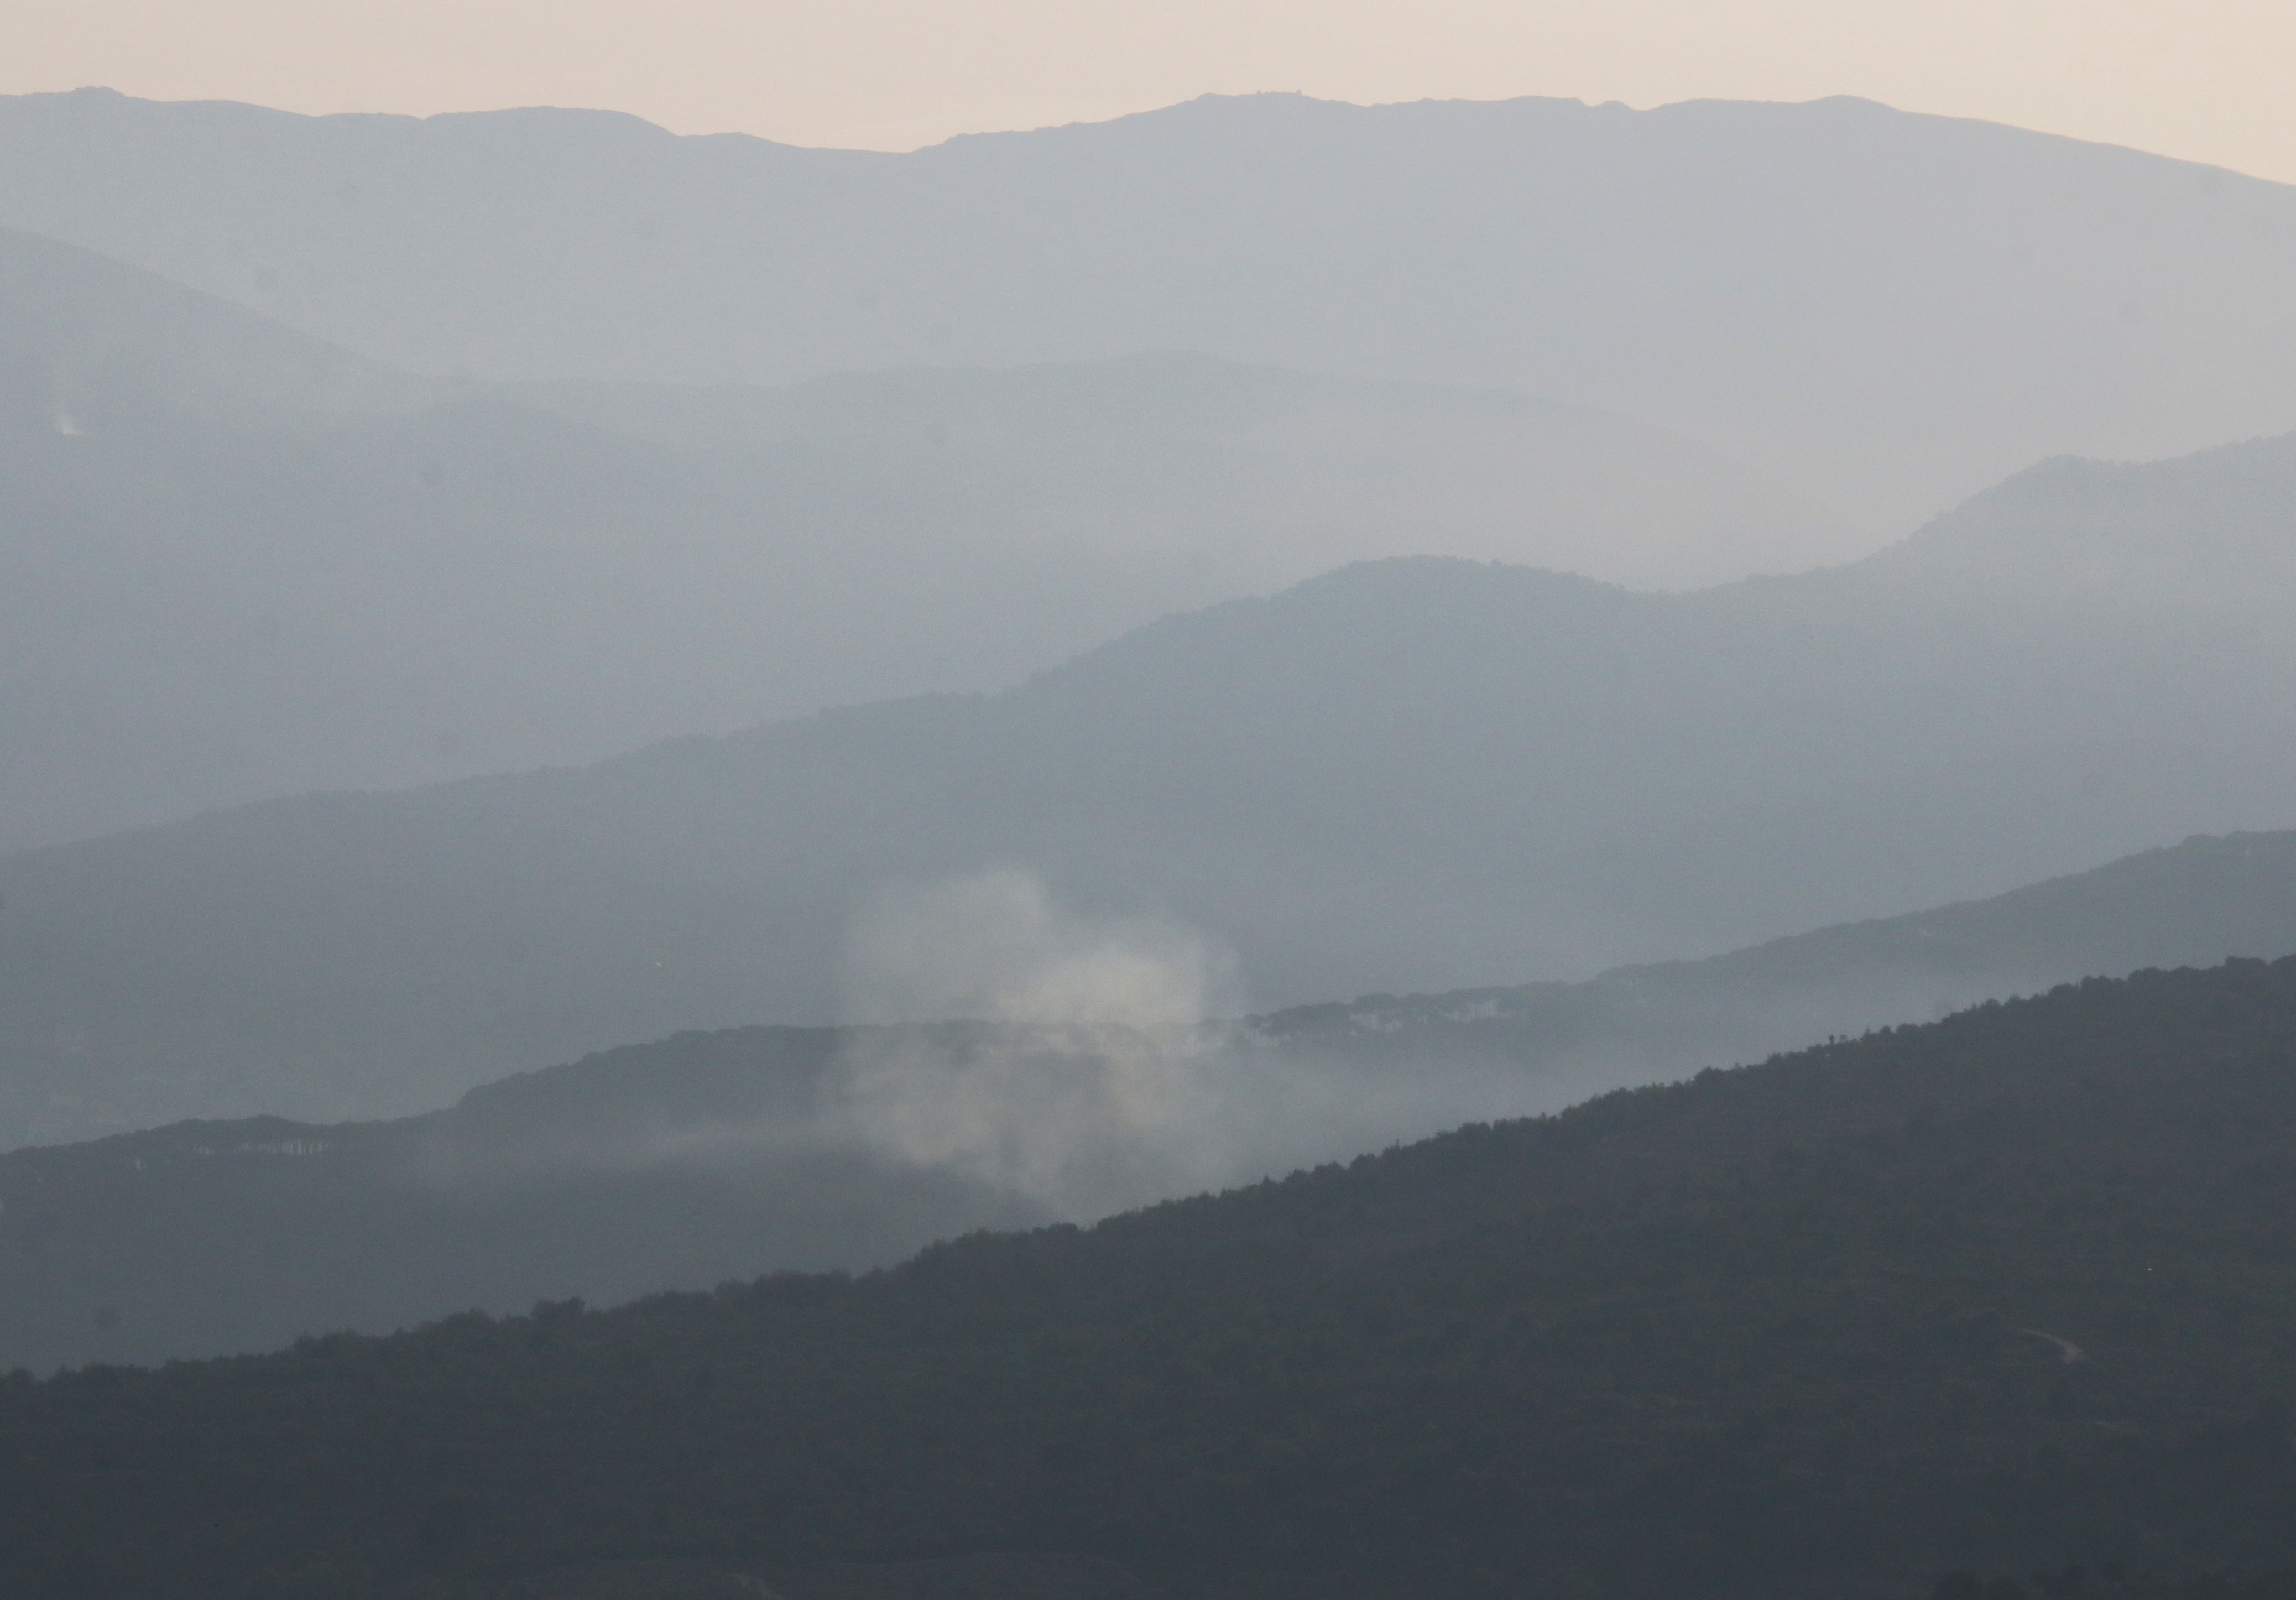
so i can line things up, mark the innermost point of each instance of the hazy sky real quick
(2207, 80)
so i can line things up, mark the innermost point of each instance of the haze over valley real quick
(252, 564)
(1882, 312)
(1418, 774)
(1455, 849)
(1101, 1080)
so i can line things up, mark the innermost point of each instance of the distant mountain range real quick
(711, 1156)
(243, 563)
(1884, 312)
(476, 593)
(2008, 1293)
(1407, 776)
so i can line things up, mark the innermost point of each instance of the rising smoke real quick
(1089, 1073)
(1078, 1077)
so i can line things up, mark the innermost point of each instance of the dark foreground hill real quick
(2003, 1292)
(706, 1157)
(681, 1164)
(1409, 776)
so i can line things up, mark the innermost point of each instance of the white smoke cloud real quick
(1082, 1081)
(1090, 1072)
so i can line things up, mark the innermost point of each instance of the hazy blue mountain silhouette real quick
(1407, 776)
(1885, 311)
(87, 343)
(1416, 775)
(2187, 905)
(245, 563)
(710, 1156)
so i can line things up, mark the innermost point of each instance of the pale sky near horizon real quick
(2206, 80)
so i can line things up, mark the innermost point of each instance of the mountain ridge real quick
(1798, 1329)
(1416, 775)
(715, 1155)
(2006, 289)
(244, 564)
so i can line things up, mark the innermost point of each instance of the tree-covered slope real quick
(710, 1156)
(2000, 1293)
(2193, 904)
(683, 1163)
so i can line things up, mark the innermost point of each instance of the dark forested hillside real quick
(2001, 1293)
(683, 824)
(681, 1164)
(714, 1155)
(2191, 905)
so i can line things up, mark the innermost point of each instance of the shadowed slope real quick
(710, 1156)
(1794, 1330)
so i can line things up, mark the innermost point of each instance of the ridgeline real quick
(2003, 1292)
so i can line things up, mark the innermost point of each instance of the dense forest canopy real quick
(683, 824)
(2001, 1293)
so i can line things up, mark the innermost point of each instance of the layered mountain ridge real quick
(243, 563)
(1414, 775)
(2005, 1291)
(1884, 312)
(714, 1156)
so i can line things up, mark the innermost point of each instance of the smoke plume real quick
(1077, 1076)
(1087, 1073)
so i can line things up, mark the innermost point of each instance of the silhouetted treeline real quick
(2113, 1581)
(705, 1156)
(2000, 1294)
